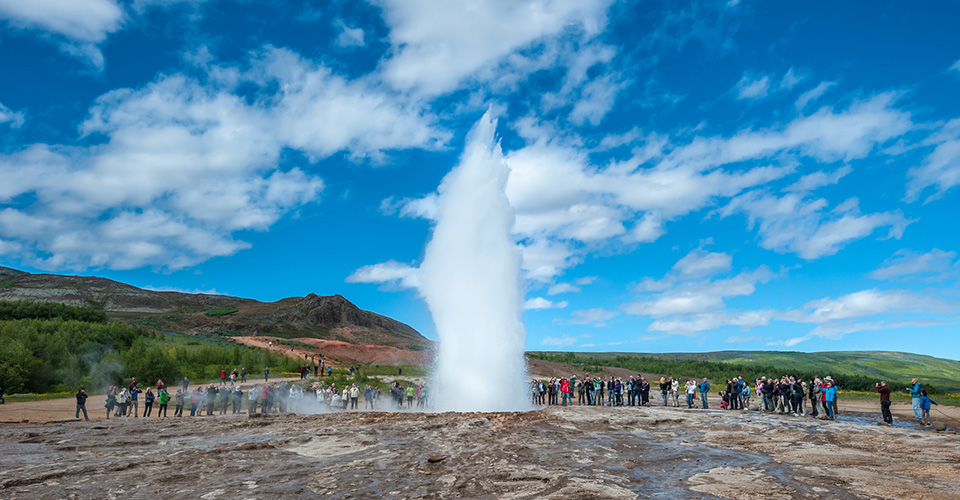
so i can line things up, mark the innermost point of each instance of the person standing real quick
(664, 390)
(243, 375)
(704, 390)
(675, 391)
(354, 397)
(178, 403)
(134, 397)
(223, 378)
(829, 395)
(691, 392)
(148, 402)
(163, 397)
(82, 403)
(884, 391)
(186, 383)
(925, 403)
(644, 391)
(237, 399)
(813, 394)
(252, 395)
(915, 389)
(111, 400)
(266, 374)
(123, 399)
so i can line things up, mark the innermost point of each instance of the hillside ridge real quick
(330, 317)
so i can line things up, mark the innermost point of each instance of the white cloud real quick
(699, 263)
(735, 339)
(586, 280)
(14, 118)
(597, 316)
(685, 297)
(813, 94)
(941, 168)
(955, 66)
(349, 37)
(864, 303)
(207, 164)
(394, 273)
(542, 303)
(811, 182)
(562, 288)
(793, 223)
(195, 291)
(79, 26)
(933, 265)
(695, 323)
(562, 341)
(753, 87)
(791, 78)
(437, 44)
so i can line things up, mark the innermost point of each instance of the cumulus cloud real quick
(349, 37)
(438, 44)
(563, 288)
(398, 274)
(180, 164)
(542, 303)
(78, 26)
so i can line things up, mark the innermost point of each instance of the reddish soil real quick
(339, 353)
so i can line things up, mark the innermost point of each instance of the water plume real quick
(470, 278)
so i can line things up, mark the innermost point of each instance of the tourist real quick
(724, 400)
(745, 396)
(829, 395)
(796, 396)
(664, 390)
(148, 402)
(704, 390)
(915, 395)
(768, 387)
(925, 403)
(2, 401)
(266, 374)
(252, 396)
(237, 399)
(134, 396)
(185, 384)
(813, 394)
(225, 397)
(884, 391)
(410, 394)
(123, 400)
(111, 400)
(178, 403)
(565, 390)
(355, 397)
(675, 391)
(581, 392)
(210, 398)
(243, 375)
(82, 404)
(644, 391)
(691, 392)
(163, 397)
(368, 398)
(223, 378)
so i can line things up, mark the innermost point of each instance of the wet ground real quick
(572, 453)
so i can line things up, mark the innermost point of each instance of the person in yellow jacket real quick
(411, 393)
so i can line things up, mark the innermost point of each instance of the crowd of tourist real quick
(787, 395)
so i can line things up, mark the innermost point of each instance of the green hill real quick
(896, 367)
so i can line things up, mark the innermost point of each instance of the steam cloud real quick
(470, 278)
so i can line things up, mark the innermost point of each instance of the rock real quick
(436, 458)
(939, 426)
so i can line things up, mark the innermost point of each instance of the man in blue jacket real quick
(915, 391)
(704, 390)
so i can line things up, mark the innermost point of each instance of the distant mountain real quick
(323, 317)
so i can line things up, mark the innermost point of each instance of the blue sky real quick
(686, 176)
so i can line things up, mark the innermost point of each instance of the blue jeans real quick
(82, 408)
(565, 397)
(689, 400)
(916, 408)
(610, 398)
(703, 399)
(830, 409)
(590, 398)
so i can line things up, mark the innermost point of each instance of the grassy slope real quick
(943, 373)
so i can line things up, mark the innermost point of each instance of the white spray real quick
(470, 278)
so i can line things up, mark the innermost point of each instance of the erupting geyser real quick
(470, 278)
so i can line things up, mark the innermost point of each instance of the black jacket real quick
(81, 398)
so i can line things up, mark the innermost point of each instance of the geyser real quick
(470, 278)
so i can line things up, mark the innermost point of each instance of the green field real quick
(861, 367)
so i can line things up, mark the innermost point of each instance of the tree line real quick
(55, 348)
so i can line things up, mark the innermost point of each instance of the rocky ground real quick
(556, 453)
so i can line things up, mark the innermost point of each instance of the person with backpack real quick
(178, 403)
(123, 400)
(915, 391)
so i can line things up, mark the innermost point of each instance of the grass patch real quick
(221, 311)
(7, 284)
(391, 370)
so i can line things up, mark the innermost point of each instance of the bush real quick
(221, 311)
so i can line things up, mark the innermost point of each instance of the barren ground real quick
(556, 453)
